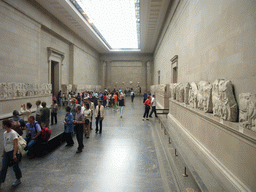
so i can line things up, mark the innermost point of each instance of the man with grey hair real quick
(79, 127)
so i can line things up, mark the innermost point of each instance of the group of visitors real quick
(150, 102)
(14, 129)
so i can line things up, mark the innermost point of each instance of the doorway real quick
(55, 77)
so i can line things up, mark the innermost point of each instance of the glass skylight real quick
(117, 22)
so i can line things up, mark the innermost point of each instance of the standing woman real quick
(69, 127)
(121, 104)
(99, 116)
(147, 104)
(87, 116)
(54, 110)
(9, 153)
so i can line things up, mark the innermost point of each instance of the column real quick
(144, 77)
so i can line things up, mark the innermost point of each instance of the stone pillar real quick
(144, 77)
(71, 64)
(104, 84)
(108, 75)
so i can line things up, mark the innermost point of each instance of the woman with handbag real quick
(10, 153)
(147, 104)
(87, 116)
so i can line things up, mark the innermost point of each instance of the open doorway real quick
(55, 77)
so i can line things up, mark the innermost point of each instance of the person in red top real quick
(147, 104)
(115, 102)
(104, 99)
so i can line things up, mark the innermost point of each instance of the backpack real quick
(16, 127)
(45, 134)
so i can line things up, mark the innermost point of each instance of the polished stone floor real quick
(123, 158)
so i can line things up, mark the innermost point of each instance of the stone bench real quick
(162, 112)
(205, 180)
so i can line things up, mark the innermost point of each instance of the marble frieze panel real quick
(223, 99)
(247, 111)
(22, 90)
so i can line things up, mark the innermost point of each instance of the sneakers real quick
(79, 151)
(16, 183)
(147, 119)
(143, 119)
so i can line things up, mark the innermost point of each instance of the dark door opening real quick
(55, 77)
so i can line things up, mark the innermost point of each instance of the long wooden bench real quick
(205, 180)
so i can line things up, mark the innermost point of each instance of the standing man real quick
(79, 127)
(132, 95)
(38, 111)
(45, 117)
(26, 111)
(99, 116)
(153, 104)
(59, 97)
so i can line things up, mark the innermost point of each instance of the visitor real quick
(153, 104)
(87, 116)
(99, 116)
(45, 117)
(144, 97)
(115, 102)
(132, 95)
(79, 121)
(121, 104)
(59, 97)
(54, 110)
(18, 124)
(34, 130)
(10, 153)
(68, 127)
(38, 111)
(147, 104)
(26, 111)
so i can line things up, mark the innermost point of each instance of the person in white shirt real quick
(87, 116)
(38, 111)
(153, 104)
(132, 95)
(26, 111)
(99, 116)
(10, 153)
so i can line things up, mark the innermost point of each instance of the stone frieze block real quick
(204, 96)
(192, 96)
(247, 111)
(186, 93)
(173, 87)
(223, 100)
(21, 90)
(180, 92)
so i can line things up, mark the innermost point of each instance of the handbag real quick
(22, 143)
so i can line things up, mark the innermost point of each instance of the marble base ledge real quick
(232, 127)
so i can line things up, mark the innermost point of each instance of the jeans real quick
(54, 115)
(132, 98)
(97, 122)
(7, 157)
(153, 111)
(30, 144)
(147, 108)
(59, 100)
(121, 110)
(79, 136)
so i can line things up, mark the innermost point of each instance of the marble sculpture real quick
(204, 96)
(180, 92)
(192, 98)
(247, 111)
(224, 103)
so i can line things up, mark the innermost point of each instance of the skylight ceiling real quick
(117, 22)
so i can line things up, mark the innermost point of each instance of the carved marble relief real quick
(224, 103)
(69, 88)
(64, 88)
(21, 90)
(247, 111)
(173, 90)
(180, 92)
(192, 96)
(204, 96)
(161, 89)
(186, 93)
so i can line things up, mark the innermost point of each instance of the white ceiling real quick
(152, 13)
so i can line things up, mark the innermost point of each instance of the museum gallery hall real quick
(95, 72)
